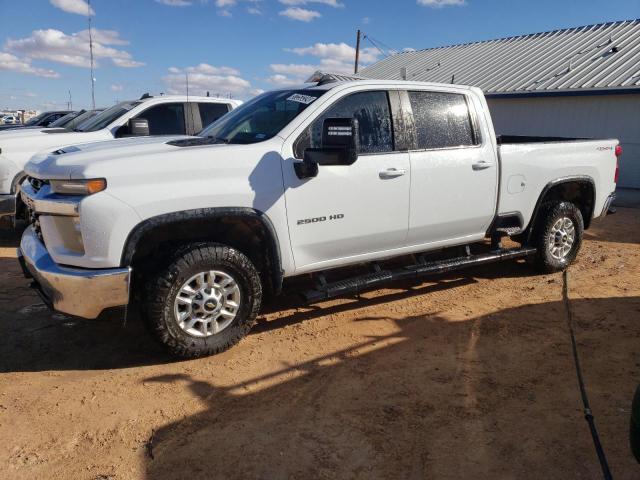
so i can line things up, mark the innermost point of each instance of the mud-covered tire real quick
(558, 224)
(159, 303)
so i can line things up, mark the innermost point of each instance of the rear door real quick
(454, 171)
(348, 212)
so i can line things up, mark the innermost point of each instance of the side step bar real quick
(360, 283)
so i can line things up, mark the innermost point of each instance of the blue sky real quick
(241, 47)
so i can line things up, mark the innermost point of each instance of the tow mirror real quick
(340, 145)
(138, 127)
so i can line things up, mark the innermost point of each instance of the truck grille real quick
(32, 217)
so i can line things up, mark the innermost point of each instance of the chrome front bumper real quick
(74, 291)
(7, 204)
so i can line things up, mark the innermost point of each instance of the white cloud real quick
(11, 63)
(205, 77)
(338, 51)
(366, 20)
(442, 3)
(175, 3)
(282, 80)
(333, 57)
(57, 46)
(331, 3)
(210, 70)
(226, 3)
(80, 7)
(254, 11)
(116, 87)
(300, 14)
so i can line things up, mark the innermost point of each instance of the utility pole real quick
(93, 80)
(355, 70)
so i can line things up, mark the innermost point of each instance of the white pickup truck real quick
(163, 115)
(301, 181)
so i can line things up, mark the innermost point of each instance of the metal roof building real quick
(582, 81)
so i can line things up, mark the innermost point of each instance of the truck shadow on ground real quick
(34, 339)
(491, 397)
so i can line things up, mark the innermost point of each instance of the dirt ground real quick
(466, 376)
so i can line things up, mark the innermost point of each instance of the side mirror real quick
(340, 145)
(138, 127)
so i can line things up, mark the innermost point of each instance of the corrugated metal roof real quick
(594, 57)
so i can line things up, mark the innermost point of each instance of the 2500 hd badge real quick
(305, 221)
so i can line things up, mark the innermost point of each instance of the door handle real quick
(392, 173)
(481, 165)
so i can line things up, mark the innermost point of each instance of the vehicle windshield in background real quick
(106, 117)
(72, 124)
(63, 121)
(35, 120)
(261, 118)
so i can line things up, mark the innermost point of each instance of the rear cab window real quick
(442, 120)
(210, 112)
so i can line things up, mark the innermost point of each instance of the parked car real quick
(164, 115)
(42, 120)
(71, 121)
(10, 120)
(68, 121)
(196, 230)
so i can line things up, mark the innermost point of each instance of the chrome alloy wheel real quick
(207, 303)
(561, 238)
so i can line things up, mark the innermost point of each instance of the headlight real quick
(78, 187)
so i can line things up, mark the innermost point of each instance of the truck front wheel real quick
(558, 236)
(205, 301)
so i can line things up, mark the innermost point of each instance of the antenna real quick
(93, 79)
(355, 70)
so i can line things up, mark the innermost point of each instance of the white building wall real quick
(596, 116)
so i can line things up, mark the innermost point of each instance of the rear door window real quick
(442, 120)
(210, 112)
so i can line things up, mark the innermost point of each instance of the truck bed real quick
(528, 164)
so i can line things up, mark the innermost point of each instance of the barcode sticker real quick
(297, 97)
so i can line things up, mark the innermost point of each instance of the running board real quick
(360, 283)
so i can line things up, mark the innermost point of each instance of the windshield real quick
(62, 121)
(36, 119)
(71, 124)
(106, 117)
(262, 117)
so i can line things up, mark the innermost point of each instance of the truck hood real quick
(35, 140)
(65, 161)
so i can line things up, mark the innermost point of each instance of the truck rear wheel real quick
(205, 301)
(558, 236)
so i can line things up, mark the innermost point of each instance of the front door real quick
(349, 212)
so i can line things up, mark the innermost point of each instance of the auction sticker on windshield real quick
(297, 97)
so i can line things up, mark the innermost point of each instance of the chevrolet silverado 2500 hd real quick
(164, 115)
(301, 181)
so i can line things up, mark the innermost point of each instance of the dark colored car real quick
(42, 120)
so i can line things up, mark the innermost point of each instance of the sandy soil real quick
(465, 376)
